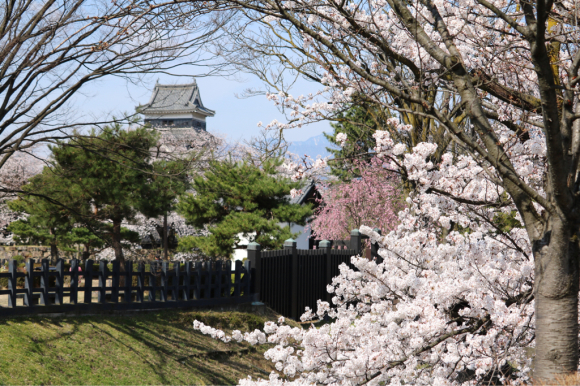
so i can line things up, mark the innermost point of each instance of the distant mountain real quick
(313, 147)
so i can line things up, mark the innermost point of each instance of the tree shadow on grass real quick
(168, 349)
(164, 345)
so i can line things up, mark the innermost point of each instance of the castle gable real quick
(176, 106)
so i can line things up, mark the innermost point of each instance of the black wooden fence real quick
(289, 280)
(143, 285)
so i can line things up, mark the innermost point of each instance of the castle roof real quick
(175, 99)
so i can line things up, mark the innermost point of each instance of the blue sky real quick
(236, 118)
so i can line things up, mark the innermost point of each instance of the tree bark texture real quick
(556, 301)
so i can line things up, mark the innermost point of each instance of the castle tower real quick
(176, 108)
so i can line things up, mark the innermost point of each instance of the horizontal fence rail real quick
(291, 279)
(105, 286)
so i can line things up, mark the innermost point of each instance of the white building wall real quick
(302, 239)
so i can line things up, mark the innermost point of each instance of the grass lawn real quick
(137, 349)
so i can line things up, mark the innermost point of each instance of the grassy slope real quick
(148, 348)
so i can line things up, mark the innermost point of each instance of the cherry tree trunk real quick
(556, 301)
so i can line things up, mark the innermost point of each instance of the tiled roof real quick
(306, 189)
(179, 98)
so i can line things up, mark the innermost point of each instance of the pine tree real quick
(359, 123)
(113, 172)
(48, 222)
(238, 198)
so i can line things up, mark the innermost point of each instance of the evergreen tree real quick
(113, 172)
(359, 123)
(47, 223)
(59, 215)
(234, 199)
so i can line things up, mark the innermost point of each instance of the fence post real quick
(29, 283)
(115, 282)
(128, 295)
(375, 249)
(290, 246)
(164, 279)
(229, 285)
(102, 282)
(255, 258)
(141, 282)
(238, 279)
(74, 281)
(187, 281)
(326, 246)
(356, 241)
(197, 290)
(12, 283)
(44, 300)
(218, 280)
(152, 280)
(208, 279)
(248, 278)
(58, 297)
(88, 281)
(176, 281)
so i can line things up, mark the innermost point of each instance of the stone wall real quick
(43, 252)
(32, 251)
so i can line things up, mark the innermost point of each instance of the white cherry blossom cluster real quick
(383, 141)
(451, 301)
(441, 308)
(341, 138)
(295, 193)
(298, 168)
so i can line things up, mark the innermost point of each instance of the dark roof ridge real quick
(177, 85)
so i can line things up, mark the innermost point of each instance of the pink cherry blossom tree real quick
(372, 200)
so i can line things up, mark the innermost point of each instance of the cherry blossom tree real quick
(432, 313)
(481, 275)
(13, 175)
(372, 200)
